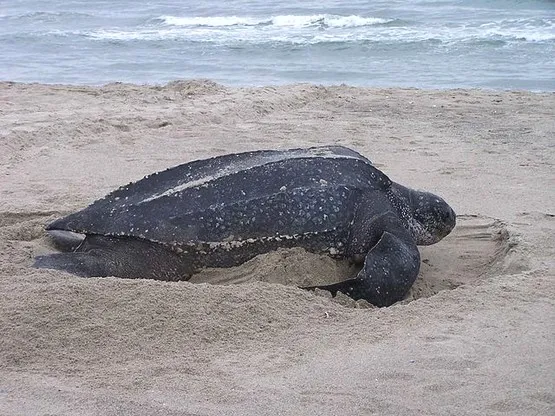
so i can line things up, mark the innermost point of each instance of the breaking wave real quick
(419, 43)
(294, 21)
(317, 29)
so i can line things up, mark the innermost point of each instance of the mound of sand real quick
(476, 249)
(474, 336)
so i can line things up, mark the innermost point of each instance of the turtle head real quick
(427, 216)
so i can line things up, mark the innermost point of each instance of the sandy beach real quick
(476, 335)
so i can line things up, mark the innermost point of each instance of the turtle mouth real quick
(427, 238)
(448, 223)
(452, 222)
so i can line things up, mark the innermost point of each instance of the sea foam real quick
(295, 21)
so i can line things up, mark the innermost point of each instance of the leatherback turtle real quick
(223, 211)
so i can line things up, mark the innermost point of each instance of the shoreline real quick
(288, 84)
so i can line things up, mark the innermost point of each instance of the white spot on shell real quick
(246, 165)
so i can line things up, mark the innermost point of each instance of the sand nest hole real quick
(475, 249)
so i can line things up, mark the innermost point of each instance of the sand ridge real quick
(475, 336)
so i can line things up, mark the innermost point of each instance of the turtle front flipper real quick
(391, 258)
(390, 268)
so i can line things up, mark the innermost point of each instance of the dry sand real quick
(475, 336)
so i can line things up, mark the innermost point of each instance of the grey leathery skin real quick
(223, 211)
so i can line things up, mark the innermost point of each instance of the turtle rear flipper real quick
(65, 240)
(103, 256)
(80, 264)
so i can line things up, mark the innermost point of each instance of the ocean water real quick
(499, 44)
